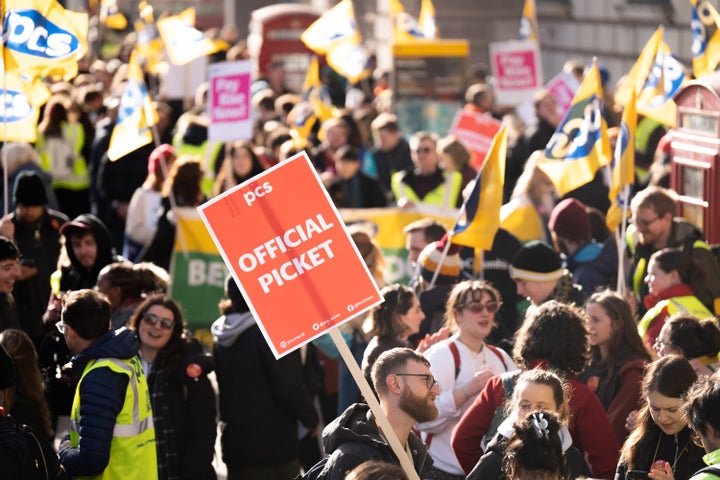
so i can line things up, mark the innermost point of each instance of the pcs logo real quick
(30, 33)
(14, 106)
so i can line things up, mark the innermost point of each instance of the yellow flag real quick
(43, 39)
(405, 27)
(149, 46)
(336, 24)
(656, 76)
(426, 19)
(313, 94)
(111, 16)
(580, 144)
(623, 169)
(19, 118)
(482, 206)
(705, 26)
(136, 115)
(183, 42)
(528, 22)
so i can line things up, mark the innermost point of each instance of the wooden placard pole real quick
(373, 403)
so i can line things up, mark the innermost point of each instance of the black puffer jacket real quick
(353, 438)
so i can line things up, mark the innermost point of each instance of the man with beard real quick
(655, 227)
(407, 391)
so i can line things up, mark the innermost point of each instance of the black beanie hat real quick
(536, 261)
(30, 190)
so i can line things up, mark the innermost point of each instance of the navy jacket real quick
(102, 394)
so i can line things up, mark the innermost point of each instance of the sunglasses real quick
(490, 307)
(430, 381)
(152, 319)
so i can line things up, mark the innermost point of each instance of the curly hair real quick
(386, 317)
(169, 357)
(670, 376)
(554, 333)
(535, 446)
(464, 293)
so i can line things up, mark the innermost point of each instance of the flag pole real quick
(448, 242)
(622, 241)
(6, 197)
(171, 194)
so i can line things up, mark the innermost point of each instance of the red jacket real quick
(589, 427)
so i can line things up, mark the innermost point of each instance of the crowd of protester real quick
(534, 362)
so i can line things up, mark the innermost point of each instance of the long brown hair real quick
(671, 376)
(184, 181)
(28, 380)
(625, 342)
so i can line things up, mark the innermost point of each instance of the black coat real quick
(490, 465)
(354, 438)
(39, 244)
(261, 398)
(184, 407)
(361, 191)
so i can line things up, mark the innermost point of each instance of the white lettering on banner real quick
(292, 238)
(297, 266)
(201, 272)
(33, 38)
(260, 191)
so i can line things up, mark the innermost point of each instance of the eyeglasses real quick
(644, 223)
(165, 323)
(423, 150)
(490, 307)
(430, 381)
(61, 327)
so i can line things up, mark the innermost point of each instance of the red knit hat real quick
(570, 220)
(163, 151)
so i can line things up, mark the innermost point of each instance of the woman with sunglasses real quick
(183, 400)
(552, 337)
(617, 357)
(662, 442)
(462, 365)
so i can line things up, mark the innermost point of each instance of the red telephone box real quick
(695, 162)
(274, 35)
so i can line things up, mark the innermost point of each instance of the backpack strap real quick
(498, 354)
(456, 356)
(456, 360)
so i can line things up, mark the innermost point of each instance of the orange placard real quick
(287, 247)
(476, 131)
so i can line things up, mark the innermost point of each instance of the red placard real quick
(287, 247)
(476, 131)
